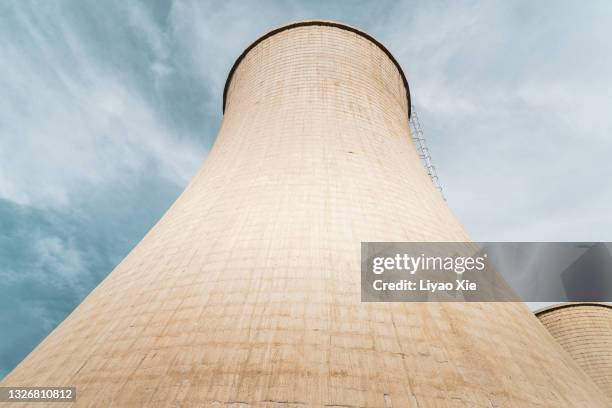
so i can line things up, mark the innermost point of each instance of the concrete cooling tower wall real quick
(584, 330)
(246, 293)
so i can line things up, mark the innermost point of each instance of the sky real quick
(108, 108)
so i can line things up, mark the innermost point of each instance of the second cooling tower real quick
(584, 330)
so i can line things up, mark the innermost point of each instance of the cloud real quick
(90, 154)
(513, 99)
(43, 274)
(51, 259)
(73, 118)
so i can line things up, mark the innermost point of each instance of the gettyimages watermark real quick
(486, 271)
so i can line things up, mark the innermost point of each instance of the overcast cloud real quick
(108, 108)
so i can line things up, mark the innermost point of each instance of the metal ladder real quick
(423, 151)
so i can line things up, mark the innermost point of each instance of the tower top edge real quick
(566, 305)
(324, 23)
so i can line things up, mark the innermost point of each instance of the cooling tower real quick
(585, 331)
(246, 293)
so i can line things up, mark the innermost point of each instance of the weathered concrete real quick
(246, 293)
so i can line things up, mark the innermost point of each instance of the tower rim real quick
(325, 23)
(566, 305)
